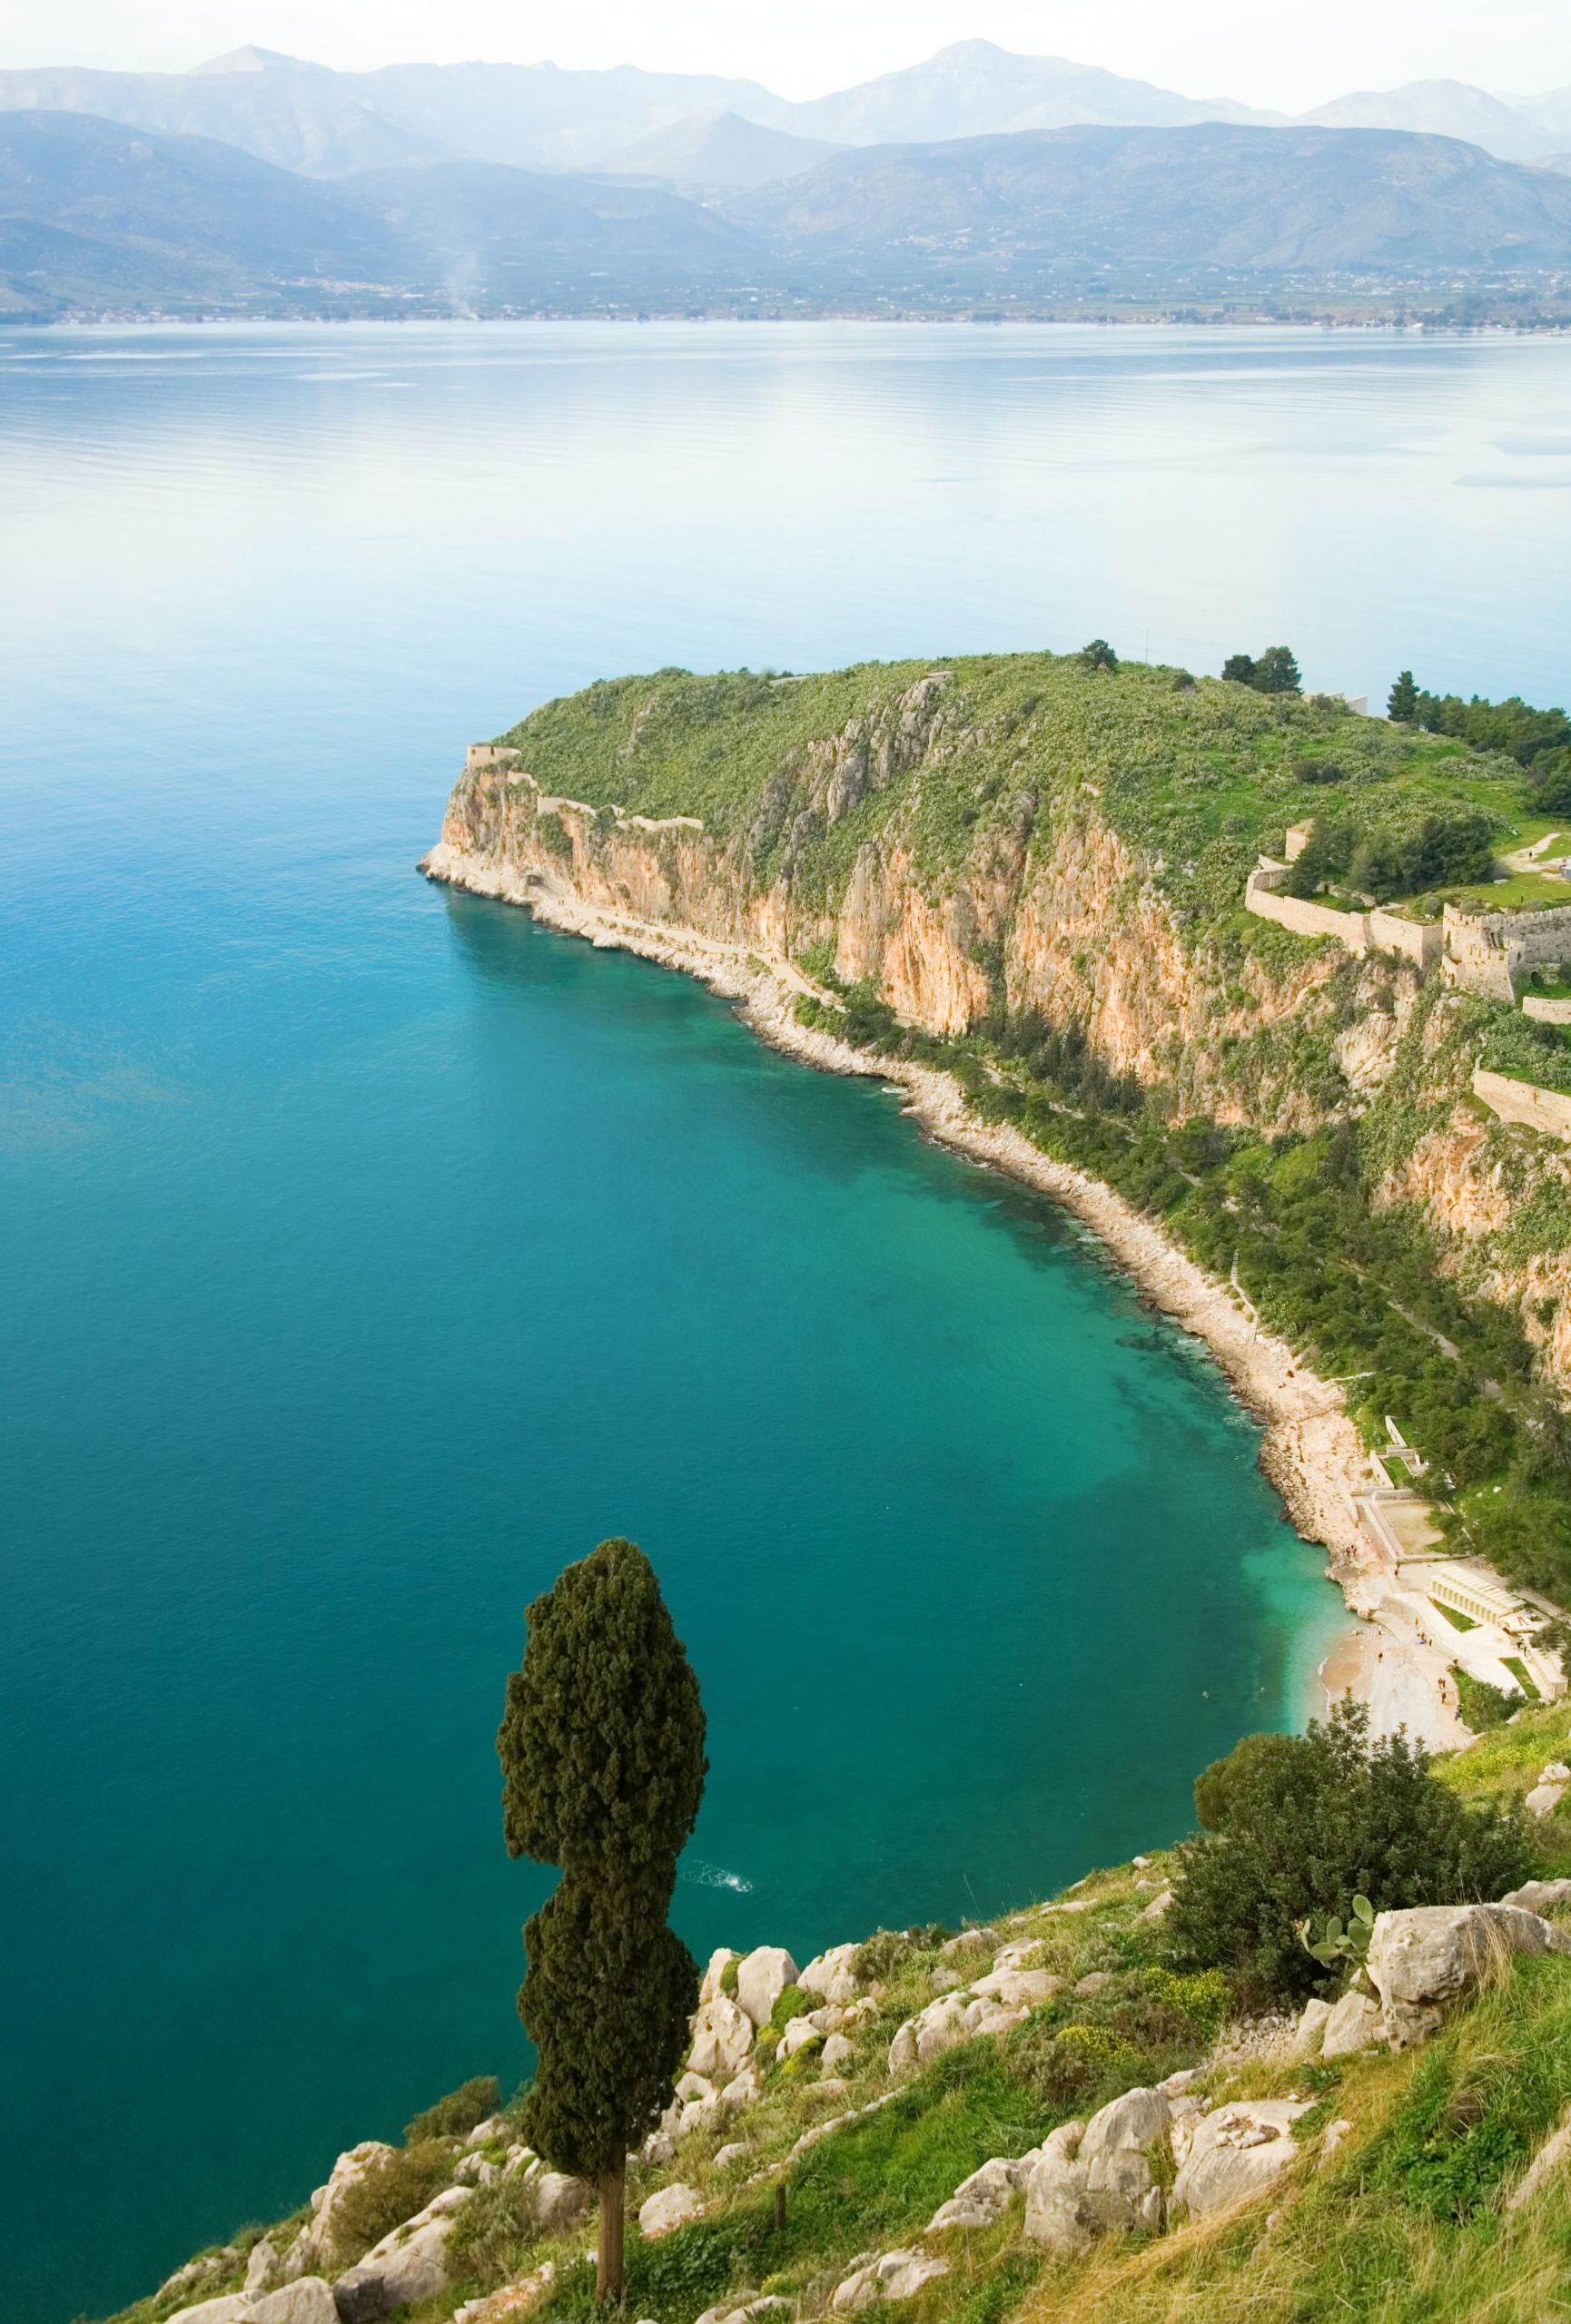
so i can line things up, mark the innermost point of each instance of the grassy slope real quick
(1199, 774)
(1407, 2223)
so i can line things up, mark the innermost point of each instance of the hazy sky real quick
(1288, 52)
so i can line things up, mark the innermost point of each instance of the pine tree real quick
(1239, 669)
(602, 1753)
(1402, 705)
(1277, 671)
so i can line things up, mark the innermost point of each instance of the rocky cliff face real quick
(1045, 906)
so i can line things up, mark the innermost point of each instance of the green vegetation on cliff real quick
(1079, 835)
(1197, 775)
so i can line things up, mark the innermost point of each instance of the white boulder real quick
(722, 2037)
(308, 2301)
(1120, 2186)
(980, 2199)
(1159, 1907)
(799, 2034)
(895, 2275)
(745, 2088)
(970, 1940)
(838, 2052)
(829, 1975)
(1352, 2025)
(230, 2307)
(1540, 1895)
(559, 2202)
(761, 1978)
(671, 2207)
(1311, 2025)
(264, 2268)
(1017, 1988)
(951, 2019)
(408, 2265)
(1056, 2213)
(1235, 2153)
(1422, 1959)
(315, 2248)
(1552, 2155)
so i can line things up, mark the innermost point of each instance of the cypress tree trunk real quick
(609, 2265)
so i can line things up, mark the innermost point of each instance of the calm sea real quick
(368, 1255)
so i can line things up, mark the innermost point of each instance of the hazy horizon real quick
(1306, 55)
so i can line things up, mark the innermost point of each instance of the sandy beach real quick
(1310, 1450)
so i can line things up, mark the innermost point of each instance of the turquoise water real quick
(369, 1254)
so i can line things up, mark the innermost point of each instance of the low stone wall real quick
(1525, 1102)
(1419, 941)
(1548, 1013)
(485, 754)
(1306, 919)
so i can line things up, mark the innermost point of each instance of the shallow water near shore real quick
(372, 1253)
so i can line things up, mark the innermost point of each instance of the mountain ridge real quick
(326, 123)
(1038, 215)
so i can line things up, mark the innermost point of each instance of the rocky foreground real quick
(891, 2090)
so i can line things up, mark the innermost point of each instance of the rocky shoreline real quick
(1310, 1451)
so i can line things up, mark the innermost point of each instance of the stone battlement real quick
(1479, 951)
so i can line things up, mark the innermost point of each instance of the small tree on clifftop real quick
(1402, 703)
(602, 1752)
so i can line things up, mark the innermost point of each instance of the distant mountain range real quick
(308, 118)
(1045, 208)
(96, 217)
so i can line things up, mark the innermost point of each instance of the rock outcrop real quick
(1424, 1959)
(408, 2265)
(1235, 2153)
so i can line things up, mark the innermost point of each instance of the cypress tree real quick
(602, 1753)
(1402, 703)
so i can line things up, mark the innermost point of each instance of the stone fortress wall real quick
(1489, 953)
(1524, 1102)
(1373, 930)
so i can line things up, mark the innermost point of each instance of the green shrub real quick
(1073, 2068)
(492, 2234)
(1204, 1998)
(885, 1952)
(383, 2197)
(1226, 1781)
(457, 2114)
(1484, 1706)
(792, 2003)
(1317, 1820)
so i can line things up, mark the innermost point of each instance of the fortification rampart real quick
(1525, 1102)
(1548, 1013)
(1361, 932)
(1303, 917)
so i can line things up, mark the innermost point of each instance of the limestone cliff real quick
(1036, 900)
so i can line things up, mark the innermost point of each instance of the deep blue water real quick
(368, 1254)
